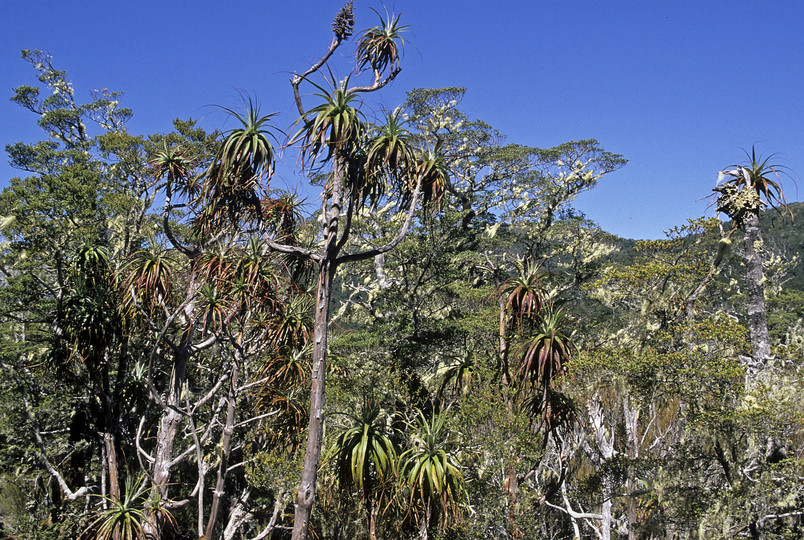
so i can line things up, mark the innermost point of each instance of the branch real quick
(397, 239)
(377, 83)
(254, 419)
(279, 504)
(347, 226)
(297, 79)
(690, 302)
(253, 384)
(140, 451)
(300, 252)
(207, 343)
(762, 520)
(202, 470)
(204, 438)
(573, 514)
(68, 493)
(209, 395)
(166, 223)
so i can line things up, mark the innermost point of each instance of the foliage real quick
(125, 518)
(496, 365)
(432, 471)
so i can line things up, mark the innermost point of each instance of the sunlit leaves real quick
(293, 324)
(335, 124)
(125, 518)
(748, 187)
(247, 150)
(460, 374)
(390, 155)
(283, 214)
(234, 182)
(363, 453)
(171, 162)
(91, 306)
(547, 350)
(381, 47)
(430, 470)
(432, 170)
(522, 294)
(148, 279)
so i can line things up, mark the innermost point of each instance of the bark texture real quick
(755, 291)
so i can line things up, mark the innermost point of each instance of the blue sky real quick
(678, 87)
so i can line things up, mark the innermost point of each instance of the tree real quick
(517, 183)
(215, 298)
(58, 263)
(745, 190)
(334, 135)
(365, 457)
(432, 473)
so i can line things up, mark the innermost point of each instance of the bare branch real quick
(573, 514)
(292, 250)
(202, 469)
(40, 445)
(254, 419)
(204, 438)
(166, 224)
(377, 82)
(140, 452)
(396, 240)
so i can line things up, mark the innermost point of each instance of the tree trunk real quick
(171, 418)
(326, 273)
(166, 435)
(371, 509)
(504, 368)
(111, 463)
(601, 456)
(631, 420)
(306, 493)
(755, 290)
(606, 521)
(424, 526)
(226, 445)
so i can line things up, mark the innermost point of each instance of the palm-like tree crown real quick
(125, 518)
(547, 352)
(91, 305)
(173, 164)
(523, 295)
(363, 453)
(382, 160)
(381, 47)
(247, 150)
(244, 159)
(429, 469)
(432, 169)
(390, 151)
(459, 375)
(745, 188)
(148, 278)
(333, 125)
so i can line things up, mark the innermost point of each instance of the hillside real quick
(782, 234)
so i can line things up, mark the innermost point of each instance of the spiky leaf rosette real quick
(244, 160)
(546, 353)
(432, 169)
(747, 187)
(334, 125)
(381, 47)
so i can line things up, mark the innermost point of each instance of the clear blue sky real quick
(678, 87)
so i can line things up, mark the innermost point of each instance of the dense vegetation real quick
(495, 365)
